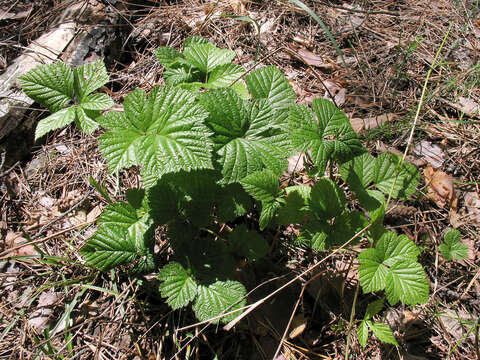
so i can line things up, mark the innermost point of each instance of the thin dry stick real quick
(475, 277)
(33, 239)
(2, 254)
(290, 321)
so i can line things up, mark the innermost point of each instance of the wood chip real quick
(440, 188)
(362, 124)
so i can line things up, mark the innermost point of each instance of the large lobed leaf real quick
(219, 298)
(123, 235)
(178, 286)
(246, 137)
(163, 133)
(270, 83)
(392, 266)
(50, 85)
(326, 134)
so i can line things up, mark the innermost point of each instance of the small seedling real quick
(453, 248)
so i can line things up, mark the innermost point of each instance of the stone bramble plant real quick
(212, 154)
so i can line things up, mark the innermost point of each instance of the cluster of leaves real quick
(453, 248)
(214, 156)
(68, 95)
(200, 65)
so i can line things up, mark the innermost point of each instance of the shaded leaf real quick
(177, 285)
(218, 298)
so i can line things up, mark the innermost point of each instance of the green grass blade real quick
(323, 26)
(249, 20)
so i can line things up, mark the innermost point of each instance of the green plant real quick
(382, 331)
(453, 248)
(57, 87)
(214, 157)
(200, 65)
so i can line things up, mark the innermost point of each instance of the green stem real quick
(352, 319)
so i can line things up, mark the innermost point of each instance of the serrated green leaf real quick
(50, 85)
(362, 333)
(383, 332)
(392, 266)
(372, 272)
(295, 210)
(395, 248)
(269, 210)
(453, 248)
(224, 75)
(55, 121)
(109, 247)
(194, 39)
(327, 200)
(168, 135)
(167, 55)
(247, 243)
(246, 139)
(389, 175)
(88, 78)
(178, 75)
(262, 185)
(407, 282)
(97, 102)
(227, 115)
(85, 120)
(206, 57)
(123, 215)
(178, 286)
(218, 298)
(375, 263)
(359, 171)
(119, 148)
(374, 308)
(327, 136)
(270, 83)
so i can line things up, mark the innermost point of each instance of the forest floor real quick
(53, 307)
